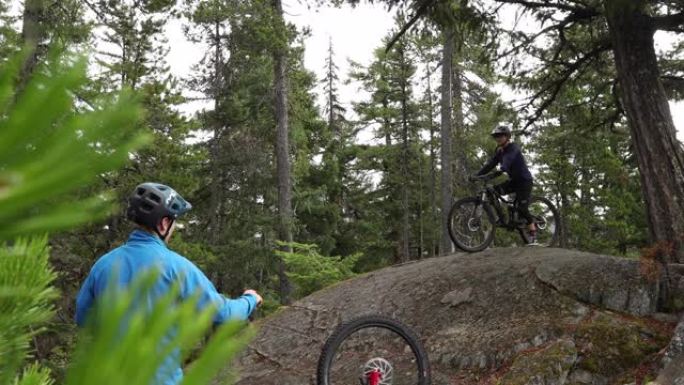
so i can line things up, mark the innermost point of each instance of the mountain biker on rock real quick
(511, 163)
(154, 208)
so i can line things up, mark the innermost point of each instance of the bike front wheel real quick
(471, 225)
(373, 350)
(547, 219)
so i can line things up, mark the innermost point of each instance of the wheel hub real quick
(541, 225)
(474, 224)
(377, 371)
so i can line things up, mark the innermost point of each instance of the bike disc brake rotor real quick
(377, 371)
(541, 223)
(474, 224)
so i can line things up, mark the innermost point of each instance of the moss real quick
(542, 366)
(675, 304)
(610, 347)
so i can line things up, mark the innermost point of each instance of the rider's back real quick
(139, 255)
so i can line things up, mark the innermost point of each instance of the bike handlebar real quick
(480, 178)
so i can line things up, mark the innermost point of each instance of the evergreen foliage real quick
(46, 158)
(310, 271)
(364, 172)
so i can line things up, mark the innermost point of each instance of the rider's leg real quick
(522, 200)
(505, 188)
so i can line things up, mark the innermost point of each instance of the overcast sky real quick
(355, 33)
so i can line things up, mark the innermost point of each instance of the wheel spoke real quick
(469, 225)
(379, 350)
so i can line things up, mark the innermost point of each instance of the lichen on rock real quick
(611, 345)
(548, 366)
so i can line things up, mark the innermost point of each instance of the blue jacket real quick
(512, 163)
(142, 252)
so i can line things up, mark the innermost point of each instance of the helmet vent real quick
(140, 191)
(175, 206)
(146, 207)
(155, 198)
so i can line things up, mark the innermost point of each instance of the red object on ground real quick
(374, 377)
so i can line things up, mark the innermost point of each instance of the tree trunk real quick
(447, 55)
(282, 152)
(32, 33)
(405, 230)
(215, 149)
(433, 163)
(331, 96)
(389, 176)
(659, 156)
(565, 206)
(460, 166)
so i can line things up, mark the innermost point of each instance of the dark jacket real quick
(512, 162)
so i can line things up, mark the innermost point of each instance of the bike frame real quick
(491, 198)
(503, 212)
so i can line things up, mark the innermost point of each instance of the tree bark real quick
(282, 152)
(406, 227)
(32, 33)
(433, 163)
(215, 149)
(565, 206)
(659, 155)
(331, 96)
(447, 180)
(460, 166)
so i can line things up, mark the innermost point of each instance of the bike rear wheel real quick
(547, 220)
(471, 225)
(373, 350)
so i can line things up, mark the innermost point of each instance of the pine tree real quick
(393, 108)
(280, 87)
(426, 44)
(239, 194)
(210, 23)
(630, 39)
(9, 37)
(47, 27)
(133, 58)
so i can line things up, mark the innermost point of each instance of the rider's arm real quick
(489, 166)
(226, 308)
(84, 301)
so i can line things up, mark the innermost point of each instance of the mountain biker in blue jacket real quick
(512, 163)
(154, 208)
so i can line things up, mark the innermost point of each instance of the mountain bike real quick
(373, 350)
(473, 220)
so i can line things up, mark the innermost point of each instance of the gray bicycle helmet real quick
(150, 202)
(501, 130)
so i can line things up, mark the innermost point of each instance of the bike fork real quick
(477, 212)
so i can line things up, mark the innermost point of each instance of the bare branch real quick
(557, 85)
(560, 27)
(95, 9)
(673, 23)
(560, 6)
(674, 86)
(422, 9)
